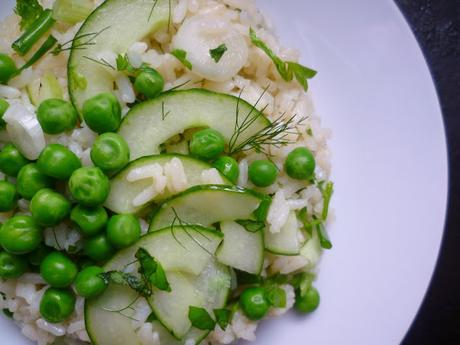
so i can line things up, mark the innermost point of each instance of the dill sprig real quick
(88, 40)
(101, 62)
(275, 134)
(121, 310)
(163, 114)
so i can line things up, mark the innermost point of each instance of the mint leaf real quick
(181, 55)
(201, 319)
(29, 11)
(151, 270)
(127, 279)
(218, 52)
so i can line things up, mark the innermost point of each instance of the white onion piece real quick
(199, 34)
(24, 130)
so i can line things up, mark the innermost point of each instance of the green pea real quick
(20, 235)
(207, 144)
(57, 305)
(89, 186)
(4, 105)
(30, 180)
(98, 248)
(309, 302)
(123, 230)
(88, 283)
(38, 255)
(56, 116)
(102, 113)
(12, 266)
(228, 167)
(49, 208)
(58, 270)
(90, 221)
(149, 82)
(7, 68)
(8, 196)
(110, 152)
(254, 303)
(58, 161)
(300, 164)
(262, 173)
(11, 160)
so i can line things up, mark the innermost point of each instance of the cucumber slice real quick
(286, 242)
(209, 290)
(113, 27)
(171, 246)
(312, 250)
(123, 192)
(166, 338)
(207, 280)
(206, 205)
(151, 123)
(241, 249)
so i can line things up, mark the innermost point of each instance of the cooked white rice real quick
(286, 99)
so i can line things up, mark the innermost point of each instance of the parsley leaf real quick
(218, 52)
(122, 62)
(222, 317)
(287, 69)
(252, 225)
(29, 11)
(181, 55)
(201, 319)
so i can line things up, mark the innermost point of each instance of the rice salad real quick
(164, 176)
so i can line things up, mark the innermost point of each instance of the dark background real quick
(436, 24)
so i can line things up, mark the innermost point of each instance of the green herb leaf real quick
(201, 319)
(122, 62)
(287, 69)
(152, 317)
(276, 296)
(252, 225)
(223, 317)
(181, 55)
(151, 270)
(303, 282)
(8, 313)
(308, 224)
(323, 236)
(127, 279)
(218, 52)
(29, 11)
(327, 191)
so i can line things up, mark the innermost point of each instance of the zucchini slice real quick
(112, 27)
(241, 249)
(152, 123)
(207, 285)
(286, 242)
(206, 205)
(123, 192)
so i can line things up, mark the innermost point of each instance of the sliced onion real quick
(25, 131)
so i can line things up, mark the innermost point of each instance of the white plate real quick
(390, 167)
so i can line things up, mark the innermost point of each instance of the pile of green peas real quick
(41, 182)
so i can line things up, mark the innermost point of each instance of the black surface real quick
(436, 24)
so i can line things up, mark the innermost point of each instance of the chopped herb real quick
(327, 191)
(201, 319)
(34, 32)
(310, 132)
(181, 55)
(164, 114)
(223, 317)
(276, 296)
(79, 42)
(244, 278)
(252, 225)
(287, 69)
(127, 279)
(101, 62)
(218, 52)
(8, 313)
(303, 282)
(323, 237)
(29, 11)
(152, 271)
(122, 62)
(45, 47)
(152, 317)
